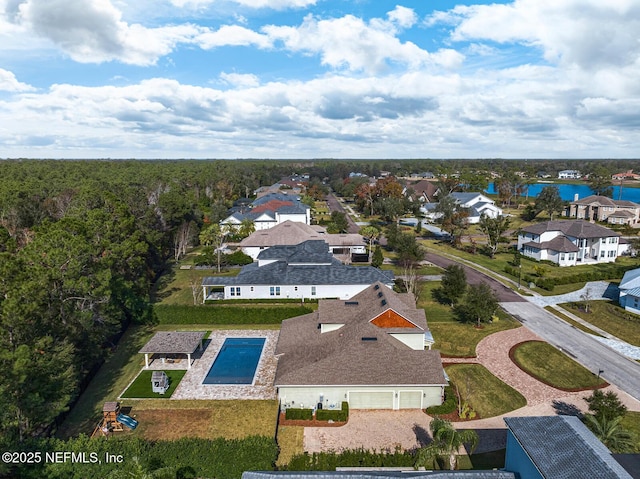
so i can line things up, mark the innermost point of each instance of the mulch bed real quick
(301, 422)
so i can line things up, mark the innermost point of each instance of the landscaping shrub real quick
(595, 273)
(332, 414)
(299, 413)
(328, 461)
(237, 258)
(179, 314)
(448, 406)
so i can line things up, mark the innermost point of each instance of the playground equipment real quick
(159, 382)
(113, 420)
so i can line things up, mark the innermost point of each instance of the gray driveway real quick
(596, 290)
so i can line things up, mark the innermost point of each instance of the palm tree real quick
(610, 432)
(446, 441)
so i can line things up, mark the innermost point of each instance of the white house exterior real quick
(569, 175)
(292, 233)
(369, 351)
(271, 210)
(306, 270)
(477, 204)
(568, 243)
(630, 291)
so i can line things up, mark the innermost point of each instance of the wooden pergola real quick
(173, 342)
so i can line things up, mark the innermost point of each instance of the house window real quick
(274, 290)
(295, 288)
(562, 257)
(235, 291)
(572, 256)
(602, 254)
(613, 240)
(313, 290)
(603, 240)
(612, 254)
(251, 288)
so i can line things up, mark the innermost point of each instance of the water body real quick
(568, 192)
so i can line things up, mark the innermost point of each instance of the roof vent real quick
(369, 338)
(377, 286)
(351, 303)
(383, 302)
(380, 294)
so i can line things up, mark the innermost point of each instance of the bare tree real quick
(182, 239)
(586, 299)
(411, 280)
(196, 288)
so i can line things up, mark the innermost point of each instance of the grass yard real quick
(552, 367)
(631, 422)
(484, 392)
(174, 287)
(460, 340)
(141, 386)
(290, 441)
(231, 419)
(435, 311)
(611, 318)
(573, 323)
(483, 461)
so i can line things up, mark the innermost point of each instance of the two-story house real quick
(601, 208)
(568, 243)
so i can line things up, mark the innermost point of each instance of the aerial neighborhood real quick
(403, 315)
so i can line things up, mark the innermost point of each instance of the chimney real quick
(575, 197)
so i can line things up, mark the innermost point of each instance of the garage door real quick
(371, 400)
(410, 399)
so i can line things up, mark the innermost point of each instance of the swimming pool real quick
(236, 362)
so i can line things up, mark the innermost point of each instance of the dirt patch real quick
(313, 423)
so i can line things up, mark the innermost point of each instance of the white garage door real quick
(410, 399)
(371, 400)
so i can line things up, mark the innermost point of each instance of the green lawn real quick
(573, 323)
(435, 311)
(174, 287)
(460, 340)
(552, 367)
(141, 387)
(484, 392)
(631, 423)
(611, 318)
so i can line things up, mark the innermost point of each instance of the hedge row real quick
(178, 314)
(187, 458)
(299, 413)
(329, 461)
(448, 406)
(596, 273)
(333, 414)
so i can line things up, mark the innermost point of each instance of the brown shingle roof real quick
(576, 229)
(342, 357)
(174, 342)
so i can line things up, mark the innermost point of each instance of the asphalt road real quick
(503, 293)
(335, 205)
(616, 368)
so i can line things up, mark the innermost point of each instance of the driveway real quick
(596, 290)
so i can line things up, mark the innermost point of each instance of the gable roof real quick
(630, 280)
(310, 252)
(562, 446)
(295, 232)
(560, 244)
(463, 198)
(573, 228)
(423, 187)
(359, 353)
(599, 200)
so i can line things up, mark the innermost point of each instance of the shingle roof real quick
(559, 243)
(342, 357)
(286, 233)
(576, 229)
(464, 197)
(310, 251)
(631, 279)
(622, 214)
(174, 342)
(605, 201)
(562, 447)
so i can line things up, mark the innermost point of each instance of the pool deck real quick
(191, 386)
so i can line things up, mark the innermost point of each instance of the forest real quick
(82, 244)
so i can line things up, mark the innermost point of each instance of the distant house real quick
(568, 242)
(476, 204)
(627, 175)
(550, 447)
(271, 210)
(569, 175)
(369, 351)
(601, 208)
(306, 270)
(422, 191)
(630, 291)
(292, 233)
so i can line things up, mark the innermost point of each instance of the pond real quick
(568, 191)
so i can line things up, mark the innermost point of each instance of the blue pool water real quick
(236, 362)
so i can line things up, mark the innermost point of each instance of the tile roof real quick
(183, 342)
(342, 357)
(573, 228)
(562, 447)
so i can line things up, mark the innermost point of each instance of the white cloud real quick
(272, 4)
(8, 82)
(232, 35)
(403, 16)
(591, 34)
(240, 80)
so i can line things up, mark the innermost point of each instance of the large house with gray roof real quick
(292, 233)
(476, 204)
(373, 351)
(306, 270)
(271, 210)
(601, 208)
(569, 243)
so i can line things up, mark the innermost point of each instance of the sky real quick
(319, 79)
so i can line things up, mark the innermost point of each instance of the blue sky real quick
(319, 79)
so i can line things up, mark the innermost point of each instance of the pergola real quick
(173, 342)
